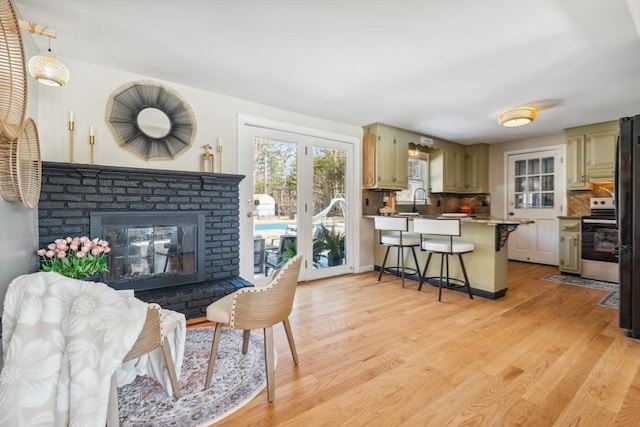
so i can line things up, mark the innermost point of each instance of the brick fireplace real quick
(72, 193)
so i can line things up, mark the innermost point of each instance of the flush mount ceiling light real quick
(45, 67)
(517, 117)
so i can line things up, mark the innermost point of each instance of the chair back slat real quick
(263, 306)
(391, 223)
(437, 227)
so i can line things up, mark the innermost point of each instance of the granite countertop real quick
(469, 220)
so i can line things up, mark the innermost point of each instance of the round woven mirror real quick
(151, 120)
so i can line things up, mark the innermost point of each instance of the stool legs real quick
(444, 267)
(400, 263)
(384, 262)
(466, 278)
(424, 272)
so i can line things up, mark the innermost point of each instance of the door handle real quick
(511, 214)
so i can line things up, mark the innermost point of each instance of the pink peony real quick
(104, 243)
(41, 252)
(61, 254)
(51, 246)
(106, 250)
(73, 246)
(50, 254)
(96, 251)
(80, 254)
(69, 239)
(84, 239)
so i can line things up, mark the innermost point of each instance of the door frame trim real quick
(563, 178)
(354, 208)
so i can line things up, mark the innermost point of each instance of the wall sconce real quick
(45, 67)
(517, 117)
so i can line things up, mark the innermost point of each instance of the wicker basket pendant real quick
(13, 77)
(21, 167)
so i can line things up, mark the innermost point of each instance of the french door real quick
(293, 200)
(534, 191)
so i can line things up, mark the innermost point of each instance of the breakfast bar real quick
(486, 265)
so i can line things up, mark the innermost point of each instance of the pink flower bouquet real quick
(75, 256)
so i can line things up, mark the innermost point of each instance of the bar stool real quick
(393, 233)
(446, 247)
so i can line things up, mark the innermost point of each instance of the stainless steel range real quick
(599, 239)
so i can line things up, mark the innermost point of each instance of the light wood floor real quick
(372, 353)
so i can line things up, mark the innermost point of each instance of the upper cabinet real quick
(476, 168)
(453, 168)
(385, 157)
(591, 154)
(456, 168)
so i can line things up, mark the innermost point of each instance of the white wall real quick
(497, 180)
(19, 225)
(87, 95)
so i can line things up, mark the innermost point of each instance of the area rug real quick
(611, 300)
(237, 379)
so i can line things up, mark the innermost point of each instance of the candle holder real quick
(92, 142)
(206, 159)
(219, 158)
(71, 129)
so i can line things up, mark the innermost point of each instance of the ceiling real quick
(445, 68)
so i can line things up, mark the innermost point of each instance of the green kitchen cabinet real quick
(476, 168)
(385, 157)
(591, 153)
(569, 251)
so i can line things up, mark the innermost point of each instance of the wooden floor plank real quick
(373, 353)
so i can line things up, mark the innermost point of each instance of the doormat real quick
(611, 300)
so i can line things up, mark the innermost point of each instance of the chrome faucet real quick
(426, 194)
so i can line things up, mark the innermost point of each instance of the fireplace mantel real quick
(71, 191)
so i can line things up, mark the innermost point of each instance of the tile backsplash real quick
(578, 201)
(440, 203)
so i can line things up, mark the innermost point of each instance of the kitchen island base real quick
(487, 265)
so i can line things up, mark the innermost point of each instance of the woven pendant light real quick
(48, 70)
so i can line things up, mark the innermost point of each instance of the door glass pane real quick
(547, 165)
(275, 201)
(539, 176)
(535, 200)
(329, 205)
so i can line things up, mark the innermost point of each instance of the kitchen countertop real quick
(469, 220)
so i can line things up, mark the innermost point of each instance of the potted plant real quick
(333, 243)
(77, 257)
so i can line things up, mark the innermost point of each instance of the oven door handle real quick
(599, 221)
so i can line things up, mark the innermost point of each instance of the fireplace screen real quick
(151, 250)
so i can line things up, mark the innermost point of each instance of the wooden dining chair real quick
(150, 338)
(258, 307)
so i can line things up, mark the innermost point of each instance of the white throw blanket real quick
(63, 339)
